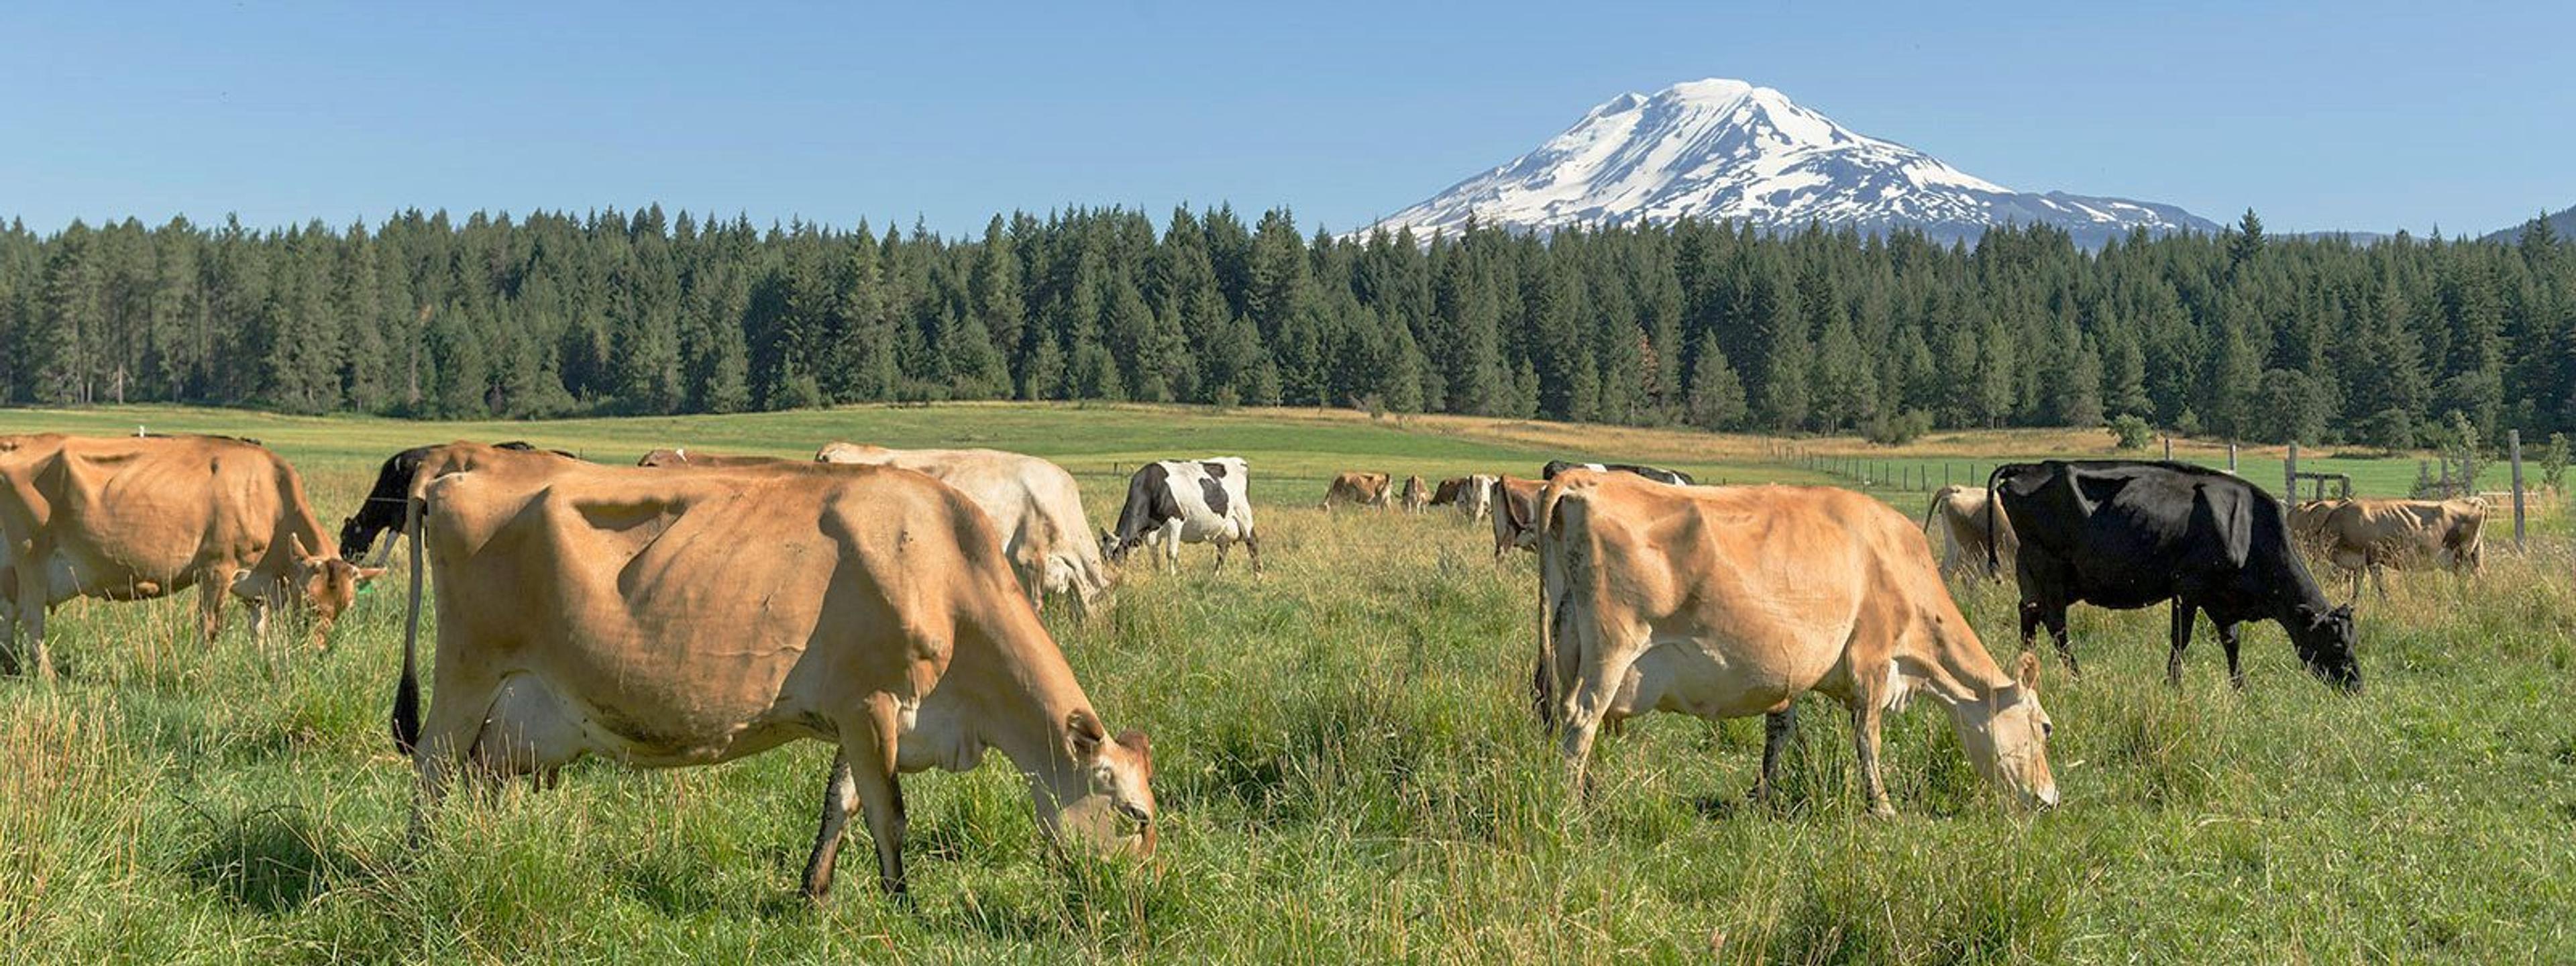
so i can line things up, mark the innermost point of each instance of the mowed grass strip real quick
(1347, 767)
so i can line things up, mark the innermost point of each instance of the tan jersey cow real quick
(1960, 512)
(1417, 497)
(1726, 602)
(1035, 505)
(1357, 489)
(128, 518)
(1473, 495)
(1515, 509)
(2308, 524)
(685, 616)
(2372, 535)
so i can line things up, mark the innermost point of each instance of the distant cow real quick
(1728, 602)
(1473, 495)
(1674, 477)
(1417, 497)
(2127, 535)
(1960, 513)
(2372, 535)
(1187, 501)
(686, 616)
(664, 458)
(2308, 523)
(1357, 489)
(134, 518)
(1515, 511)
(1035, 505)
(397, 481)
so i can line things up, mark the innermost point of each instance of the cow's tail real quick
(1932, 510)
(1994, 519)
(1557, 562)
(407, 691)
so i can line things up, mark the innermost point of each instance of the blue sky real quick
(2365, 116)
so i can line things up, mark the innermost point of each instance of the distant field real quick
(1347, 767)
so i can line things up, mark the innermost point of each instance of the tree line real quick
(1704, 323)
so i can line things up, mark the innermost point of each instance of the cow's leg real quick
(1222, 544)
(1252, 549)
(34, 595)
(840, 795)
(2029, 625)
(2054, 618)
(1777, 728)
(2227, 642)
(1865, 721)
(2182, 616)
(210, 608)
(868, 747)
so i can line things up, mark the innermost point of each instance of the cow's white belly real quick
(1202, 527)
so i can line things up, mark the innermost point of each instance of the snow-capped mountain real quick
(1727, 149)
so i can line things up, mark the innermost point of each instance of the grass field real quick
(1346, 765)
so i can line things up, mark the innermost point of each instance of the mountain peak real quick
(1722, 148)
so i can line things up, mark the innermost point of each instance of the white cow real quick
(1173, 502)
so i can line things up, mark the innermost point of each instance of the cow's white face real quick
(2010, 745)
(1107, 804)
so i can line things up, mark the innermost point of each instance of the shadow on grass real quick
(273, 859)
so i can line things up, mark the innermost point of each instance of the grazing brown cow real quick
(1035, 506)
(127, 518)
(1515, 509)
(1728, 602)
(1417, 497)
(1357, 489)
(2372, 535)
(1961, 512)
(688, 616)
(2308, 524)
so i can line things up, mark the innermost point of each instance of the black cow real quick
(383, 508)
(2126, 535)
(1674, 477)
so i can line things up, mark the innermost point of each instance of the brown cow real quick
(1417, 497)
(1727, 602)
(2308, 524)
(126, 518)
(2372, 535)
(1358, 489)
(688, 616)
(1515, 509)
(1472, 495)
(1035, 505)
(1961, 512)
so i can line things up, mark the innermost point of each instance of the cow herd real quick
(699, 607)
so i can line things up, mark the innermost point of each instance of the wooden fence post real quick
(2513, 441)
(2168, 449)
(2290, 474)
(2231, 456)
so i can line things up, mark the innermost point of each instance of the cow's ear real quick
(1084, 730)
(2026, 670)
(295, 543)
(369, 573)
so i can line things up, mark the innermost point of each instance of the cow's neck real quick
(1955, 672)
(1020, 694)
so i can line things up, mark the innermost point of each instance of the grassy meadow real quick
(1346, 765)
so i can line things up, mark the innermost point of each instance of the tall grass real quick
(1348, 771)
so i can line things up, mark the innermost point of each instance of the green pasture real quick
(1347, 769)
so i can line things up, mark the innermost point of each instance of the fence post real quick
(2168, 449)
(2513, 441)
(2290, 473)
(2231, 456)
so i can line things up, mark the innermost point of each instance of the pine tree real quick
(1716, 395)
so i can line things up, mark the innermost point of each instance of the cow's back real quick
(153, 514)
(698, 615)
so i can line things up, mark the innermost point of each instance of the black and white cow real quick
(1674, 477)
(2126, 535)
(1179, 501)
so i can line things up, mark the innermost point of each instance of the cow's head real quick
(2007, 736)
(2324, 639)
(328, 585)
(1106, 802)
(1112, 547)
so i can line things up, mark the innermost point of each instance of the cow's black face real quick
(2326, 645)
